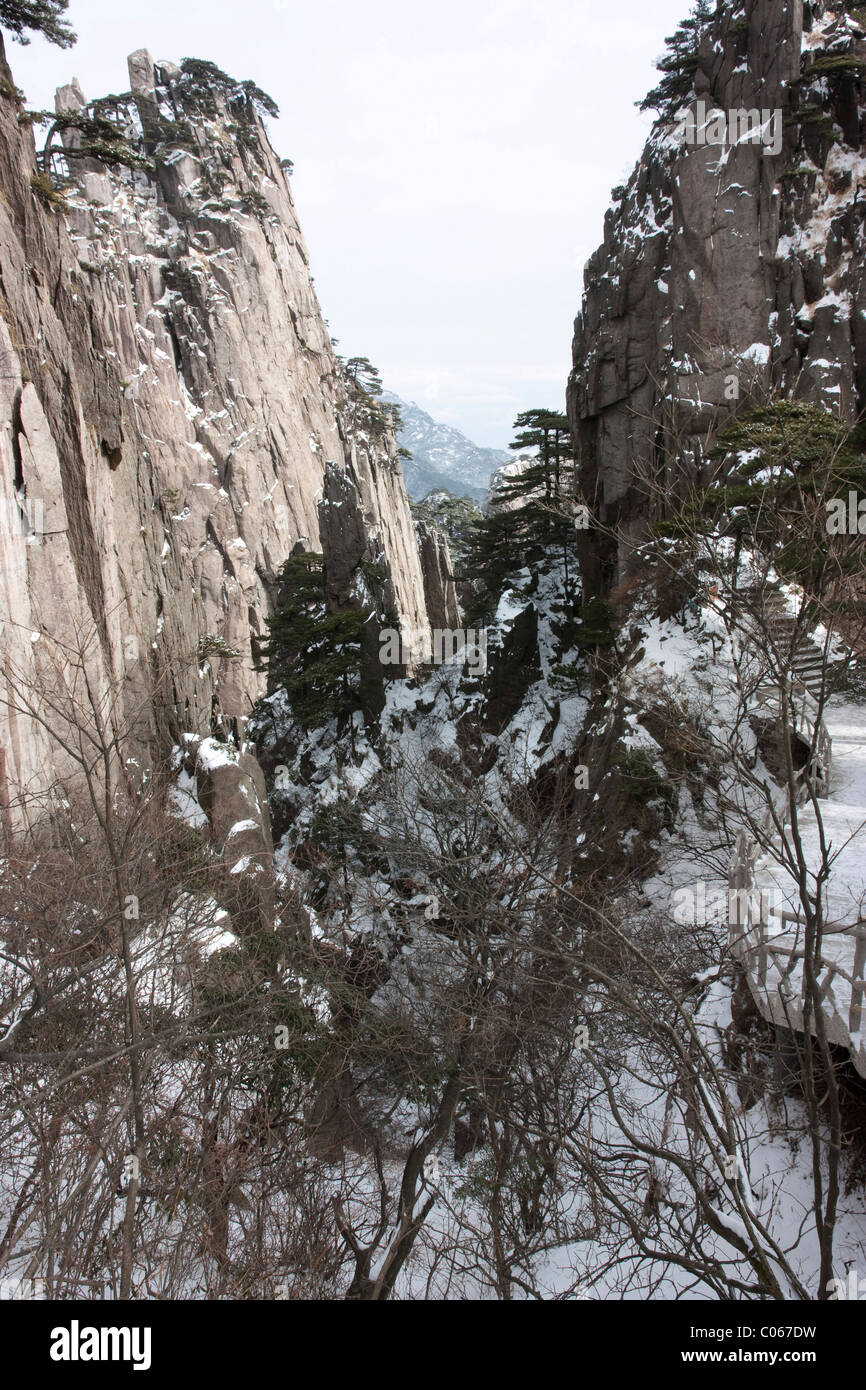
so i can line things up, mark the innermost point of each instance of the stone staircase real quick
(793, 650)
(785, 673)
(767, 930)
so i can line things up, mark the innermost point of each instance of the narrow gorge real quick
(456, 896)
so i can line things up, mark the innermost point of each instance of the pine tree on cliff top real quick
(679, 64)
(41, 16)
(202, 81)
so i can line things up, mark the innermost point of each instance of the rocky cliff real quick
(171, 408)
(439, 586)
(728, 270)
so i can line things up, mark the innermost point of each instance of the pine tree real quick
(532, 520)
(360, 373)
(777, 465)
(494, 553)
(41, 16)
(544, 490)
(546, 436)
(791, 456)
(679, 64)
(100, 138)
(314, 655)
(364, 388)
(202, 82)
(591, 628)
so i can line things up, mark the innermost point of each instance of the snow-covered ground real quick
(832, 833)
(692, 667)
(846, 725)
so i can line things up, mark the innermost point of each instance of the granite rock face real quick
(514, 667)
(439, 587)
(171, 409)
(728, 271)
(232, 792)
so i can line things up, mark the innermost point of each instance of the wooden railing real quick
(809, 726)
(749, 925)
(750, 940)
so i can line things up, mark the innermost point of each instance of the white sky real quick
(453, 164)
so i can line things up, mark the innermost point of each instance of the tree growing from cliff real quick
(99, 137)
(679, 65)
(44, 17)
(202, 82)
(361, 374)
(367, 410)
(778, 470)
(314, 655)
(532, 514)
(589, 630)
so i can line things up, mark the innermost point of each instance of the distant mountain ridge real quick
(442, 457)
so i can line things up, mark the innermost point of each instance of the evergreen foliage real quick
(546, 436)
(591, 628)
(641, 781)
(203, 82)
(363, 383)
(679, 64)
(46, 192)
(833, 64)
(363, 376)
(43, 17)
(100, 138)
(790, 459)
(494, 554)
(532, 520)
(314, 655)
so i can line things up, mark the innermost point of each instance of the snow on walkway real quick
(846, 725)
(775, 967)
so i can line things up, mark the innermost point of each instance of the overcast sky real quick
(453, 164)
